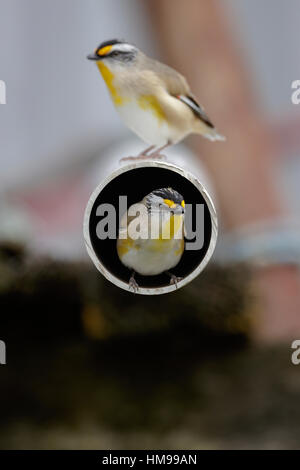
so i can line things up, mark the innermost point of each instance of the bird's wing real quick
(177, 86)
(172, 81)
(196, 108)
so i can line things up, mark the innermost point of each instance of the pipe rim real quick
(150, 290)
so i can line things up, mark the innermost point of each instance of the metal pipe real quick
(134, 180)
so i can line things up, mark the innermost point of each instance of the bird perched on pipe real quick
(154, 100)
(151, 235)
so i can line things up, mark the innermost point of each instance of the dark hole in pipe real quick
(135, 184)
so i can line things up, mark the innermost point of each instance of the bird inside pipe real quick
(150, 261)
(158, 220)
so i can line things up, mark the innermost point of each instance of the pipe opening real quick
(135, 181)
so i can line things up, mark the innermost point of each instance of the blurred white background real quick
(58, 119)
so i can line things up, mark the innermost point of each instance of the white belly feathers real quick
(145, 122)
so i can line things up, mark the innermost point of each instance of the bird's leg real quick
(140, 156)
(132, 283)
(145, 152)
(146, 155)
(174, 279)
(156, 154)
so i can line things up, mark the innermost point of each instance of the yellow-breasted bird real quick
(153, 99)
(151, 235)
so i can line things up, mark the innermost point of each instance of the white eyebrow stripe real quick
(122, 47)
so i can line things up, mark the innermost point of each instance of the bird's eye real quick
(115, 54)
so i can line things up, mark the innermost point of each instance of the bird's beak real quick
(93, 57)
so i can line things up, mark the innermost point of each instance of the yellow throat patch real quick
(108, 77)
(171, 227)
(166, 238)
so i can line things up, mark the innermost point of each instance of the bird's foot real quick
(143, 156)
(133, 284)
(156, 156)
(147, 154)
(136, 159)
(174, 279)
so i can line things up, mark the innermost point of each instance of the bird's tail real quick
(213, 135)
(209, 132)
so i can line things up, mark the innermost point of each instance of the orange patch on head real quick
(104, 51)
